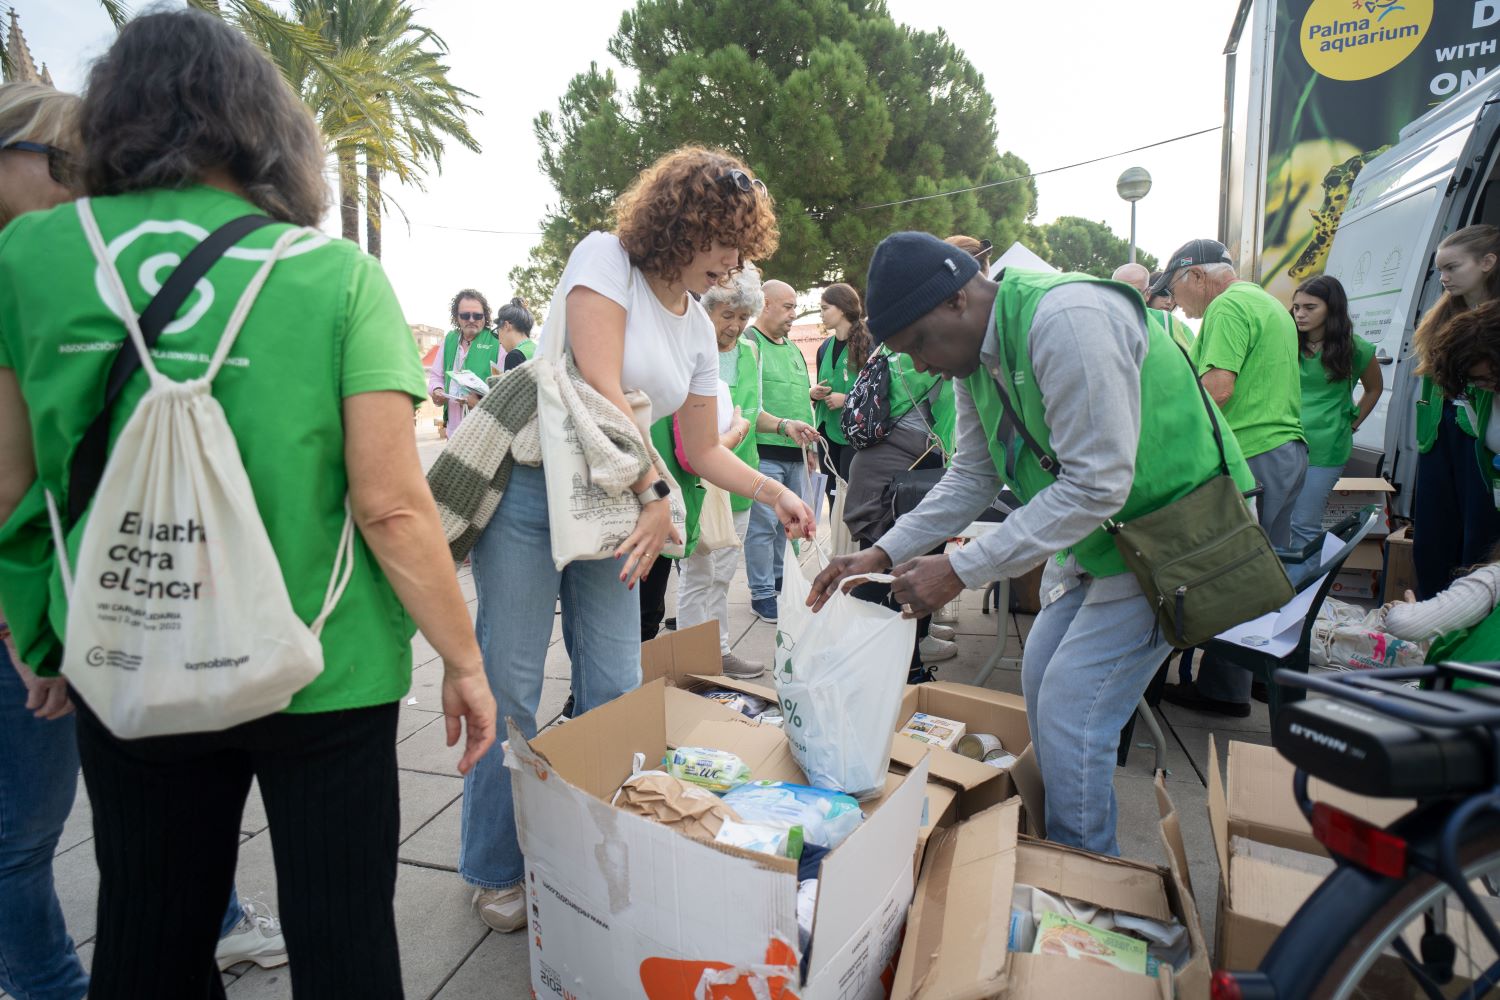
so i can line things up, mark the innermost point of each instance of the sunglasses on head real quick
(59, 163)
(742, 181)
(472, 317)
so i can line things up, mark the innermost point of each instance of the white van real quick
(1440, 176)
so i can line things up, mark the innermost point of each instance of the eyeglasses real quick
(1171, 288)
(59, 162)
(472, 317)
(744, 182)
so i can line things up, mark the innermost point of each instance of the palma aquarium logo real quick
(1356, 41)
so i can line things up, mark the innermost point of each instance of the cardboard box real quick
(689, 659)
(1254, 801)
(1363, 583)
(621, 907)
(1026, 592)
(981, 711)
(1400, 571)
(1352, 495)
(934, 730)
(957, 939)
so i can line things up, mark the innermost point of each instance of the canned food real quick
(979, 746)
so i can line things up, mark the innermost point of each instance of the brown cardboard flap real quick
(1270, 893)
(1366, 555)
(1111, 883)
(594, 751)
(684, 711)
(1027, 775)
(1355, 485)
(959, 928)
(980, 710)
(1171, 836)
(700, 682)
(672, 657)
(948, 767)
(1218, 817)
(1050, 977)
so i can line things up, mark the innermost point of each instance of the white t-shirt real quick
(666, 356)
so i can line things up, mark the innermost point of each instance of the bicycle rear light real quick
(1363, 843)
(1241, 986)
(1225, 987)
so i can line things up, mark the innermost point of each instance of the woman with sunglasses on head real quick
(1333, 359)
(186, 127)
(470, 346)
(633, 323)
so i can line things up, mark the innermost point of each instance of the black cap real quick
(1193, 253)
(910, 275)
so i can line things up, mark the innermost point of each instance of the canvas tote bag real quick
(586, 520)
(179, 619)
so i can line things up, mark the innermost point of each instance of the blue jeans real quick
(1307, 512)
(518, 587)
(1083, 673)
(765, 539)
(38, 778)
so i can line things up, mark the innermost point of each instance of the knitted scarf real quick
(470, 476)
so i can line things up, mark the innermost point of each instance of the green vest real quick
(1476, 644)
(692, 492)
(1180, 331)
(783, 385)
(527, 347)
(840, 378)
(1176, 452)
(745, 392)
(1430, 403)
(484, 351)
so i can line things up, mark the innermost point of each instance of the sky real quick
(1072, 81)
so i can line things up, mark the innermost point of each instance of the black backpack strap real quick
(92, 451)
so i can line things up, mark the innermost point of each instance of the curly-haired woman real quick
(683, 227)
(470, 346)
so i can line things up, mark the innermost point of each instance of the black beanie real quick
(912, 274)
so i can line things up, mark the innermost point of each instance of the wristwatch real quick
(658, 490)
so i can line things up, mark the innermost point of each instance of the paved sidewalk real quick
(448, 954)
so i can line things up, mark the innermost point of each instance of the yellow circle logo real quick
(1358, 39)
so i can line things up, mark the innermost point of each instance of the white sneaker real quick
(503, 910)
(943, 632)
(947, 614)
(744, 670)
(933, 650)
(256, 938)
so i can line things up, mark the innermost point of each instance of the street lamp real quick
(1133, 185)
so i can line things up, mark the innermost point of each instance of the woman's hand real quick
(801, 432)
(46, 697)
(795, 516)
(643, 547)
(739, 429)
(836, 400)
(468, 705)
(439, 397)
(819, 391)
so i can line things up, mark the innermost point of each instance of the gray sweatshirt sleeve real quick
(1087, 345)
(1464, 604)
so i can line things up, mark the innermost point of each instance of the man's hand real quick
(801, 432)
(925, 584)
(840, 568)
(468, 705)
(819, 391)
(440, 397)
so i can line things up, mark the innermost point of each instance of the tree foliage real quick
(1075, 244)
(835, 105)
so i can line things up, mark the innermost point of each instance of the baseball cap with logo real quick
(1193, 253)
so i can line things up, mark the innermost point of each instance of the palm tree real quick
(376, 81)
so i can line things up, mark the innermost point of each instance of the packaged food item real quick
(1060, 935)
(745, 704)
(826, 817)
(978, 746)
(783, 842)
(771, 719)
(670, 801)
(716, 770)
(934, 729)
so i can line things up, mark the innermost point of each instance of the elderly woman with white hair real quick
(703, 591)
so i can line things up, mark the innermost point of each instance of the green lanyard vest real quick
(484, 350)
(783, 386)
(527, 348)
(1430, 403)
(1476, 644)
(692, 493)
(745, 394)
(1176, 452)
(840, 379)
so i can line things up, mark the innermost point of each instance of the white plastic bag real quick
(839, 676)
(1347, 637)
(179, 619)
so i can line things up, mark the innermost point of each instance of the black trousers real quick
(1455, 524)
(166, 835)
(654, 596)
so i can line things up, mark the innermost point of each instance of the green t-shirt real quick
(1247, 331)
(1328, 407)
(325, 326)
